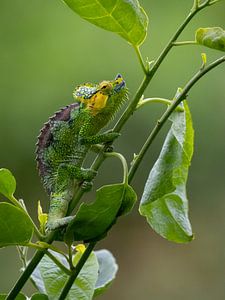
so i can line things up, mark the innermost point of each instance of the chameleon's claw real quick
(86, 186)
(89, 174)
(108, 148)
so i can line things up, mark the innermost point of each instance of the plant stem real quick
(184, 43)
(75, 200)
(124, 163)
(58, 263)
(22, 250)
(76, 271)
(168, 112)
(157, 100)
(141, 61)
(70, 255)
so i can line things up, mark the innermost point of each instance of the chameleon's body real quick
(66, 138)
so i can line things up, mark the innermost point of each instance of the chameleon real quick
(66, 138)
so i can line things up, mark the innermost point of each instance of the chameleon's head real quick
(109, 95)
(112, 87)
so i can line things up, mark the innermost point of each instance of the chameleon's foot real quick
(89, 174)
(58, 223)
(111, 136)
(86, 186)
(108, 148)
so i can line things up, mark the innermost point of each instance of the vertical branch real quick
(76, 271)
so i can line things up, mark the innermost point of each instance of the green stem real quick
(196, 4)
(141, 61)
(22, 250)
(184, 43)
(157, 100)
(58, 263)
(44, 245)
(76, 271)
(168, 112)
(75, 200)
(70, 257)
(124, 163)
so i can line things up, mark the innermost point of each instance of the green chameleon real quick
(67, 137)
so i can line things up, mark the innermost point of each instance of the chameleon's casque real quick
(66, 138)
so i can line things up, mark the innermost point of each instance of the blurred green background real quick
(45, 51)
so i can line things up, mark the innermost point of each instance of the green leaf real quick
(19, 297)
(129, 199)
(42, 218)
(213, 37)
(124, 17)
(50, 279)
(107, 271)
(7, 183)
(94, 219)
(164, 201)
(15, 226)
(39, 297)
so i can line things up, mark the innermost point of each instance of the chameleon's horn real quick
(118, 76)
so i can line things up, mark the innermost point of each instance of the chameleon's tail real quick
(57, 211)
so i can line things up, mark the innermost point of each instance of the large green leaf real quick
(50, 279)
(164, 201)
(15, 226)
(107, 271)
(212, 37)
(95, 277)
(124, 17)
(94, 219)
(7, 183)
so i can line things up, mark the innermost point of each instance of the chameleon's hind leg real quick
(64, 185)
(57, 211)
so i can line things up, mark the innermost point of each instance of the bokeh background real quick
(45, 51)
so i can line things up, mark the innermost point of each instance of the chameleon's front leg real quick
(99, 138)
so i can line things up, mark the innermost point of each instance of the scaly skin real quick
(67, 137)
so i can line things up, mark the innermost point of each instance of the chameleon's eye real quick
(104, 86)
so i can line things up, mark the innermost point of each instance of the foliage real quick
(164, 201)
(83, 273)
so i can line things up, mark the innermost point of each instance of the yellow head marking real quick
(105, 87)
(97, 102)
